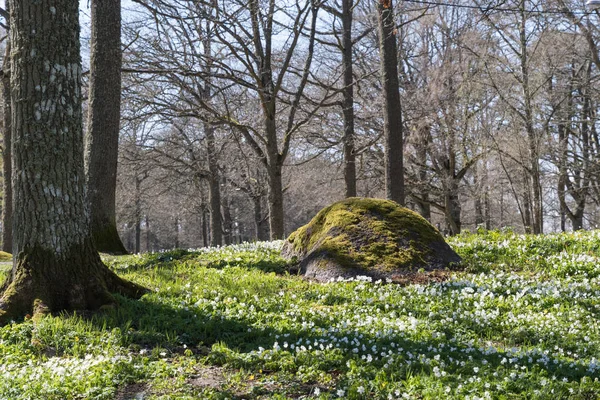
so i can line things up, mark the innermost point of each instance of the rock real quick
(370, 237)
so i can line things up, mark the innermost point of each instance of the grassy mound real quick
(372, 237)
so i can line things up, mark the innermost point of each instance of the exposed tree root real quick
(43, 283)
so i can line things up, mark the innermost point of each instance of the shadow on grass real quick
(149, 324)
(172, 258)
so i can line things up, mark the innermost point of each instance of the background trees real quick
(242, 119)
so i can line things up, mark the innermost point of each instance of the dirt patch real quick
(209, 377)
(133, 391)
(422, 278)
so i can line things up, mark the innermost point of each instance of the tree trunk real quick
(138, 215)
(348, 101)
(56, 264)
(214, 188)
(276, 201)
(227, 221)
(532, 136)
(102, 136)
(176, 226)
(148, 234)
(394, 170)
(260, 226)
(422, 145)
(205, 241)
(7, 208)
(452, 207)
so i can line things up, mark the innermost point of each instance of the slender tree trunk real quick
(276, 201)
(138, 215)
(486, 210)
(348, 101)
(562, 175)
(176, 226)
(260, 226)
(453, 208)
(527, 222)
(56, 264)
(532, 136)
(478, 203)
(275, 170)
(148, 234)
(214, 188)
(102, 136)
(227, 221)
(204, 223)
(423, 202)
(394, 169)
(7, 209)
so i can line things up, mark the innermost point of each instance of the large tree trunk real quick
(7, 208)
(394, 169)
(102, 137)
(56, 265)
(348, 101)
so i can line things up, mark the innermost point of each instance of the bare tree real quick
(394, 169)
(102, 136)
(56, 265)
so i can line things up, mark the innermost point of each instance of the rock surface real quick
(370, 237)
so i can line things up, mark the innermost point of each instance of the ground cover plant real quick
(520, 322)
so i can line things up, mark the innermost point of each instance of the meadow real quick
(520, 320)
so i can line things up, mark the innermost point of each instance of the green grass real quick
(520, 323)
(5, 257)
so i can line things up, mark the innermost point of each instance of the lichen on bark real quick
(56, 266)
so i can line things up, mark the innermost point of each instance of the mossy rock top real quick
(372, 237)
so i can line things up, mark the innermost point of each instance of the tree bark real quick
(138, 214)
(348, 101)
(394, 169)
(260, 225)
(148, 234)
(56, 264)
(205, 241)
(7, 208)
(227, 221)
(276, 200)
(214, 188)
(532, 136)
(102, 136)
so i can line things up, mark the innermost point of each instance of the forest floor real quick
(521, 321)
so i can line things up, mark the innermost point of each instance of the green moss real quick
(5, 257)
(368, 233)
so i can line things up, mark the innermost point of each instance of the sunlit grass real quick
(521, 322)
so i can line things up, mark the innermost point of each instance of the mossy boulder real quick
(372, 237)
